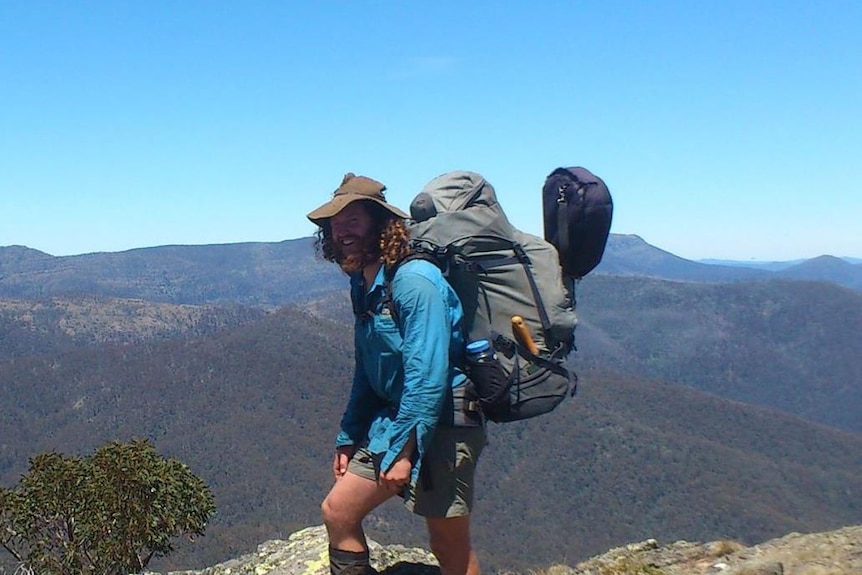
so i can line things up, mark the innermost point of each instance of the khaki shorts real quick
(445, 484)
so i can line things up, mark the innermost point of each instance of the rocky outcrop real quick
(830, 553)
(306, 552)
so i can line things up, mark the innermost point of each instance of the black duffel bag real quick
(578, 210)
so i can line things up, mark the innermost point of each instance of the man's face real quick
(353, 239)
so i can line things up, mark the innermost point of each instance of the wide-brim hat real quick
(354, 188)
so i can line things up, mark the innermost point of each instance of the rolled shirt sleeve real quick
(425, 324)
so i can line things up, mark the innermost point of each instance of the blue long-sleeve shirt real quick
(405, 369)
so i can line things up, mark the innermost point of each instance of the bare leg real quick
(450, 543)
(348, 502)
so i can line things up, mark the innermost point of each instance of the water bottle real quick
(489, 380)
(480, 351)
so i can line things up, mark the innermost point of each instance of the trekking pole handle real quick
(522, 335)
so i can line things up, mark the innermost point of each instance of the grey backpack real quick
(511, 287)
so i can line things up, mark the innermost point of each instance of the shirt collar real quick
(378, 279)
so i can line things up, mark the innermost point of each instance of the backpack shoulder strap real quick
(389, 275)
(358, 299)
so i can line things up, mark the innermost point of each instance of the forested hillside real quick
(791, 345)
(205, 362)
(258, 274)
(253, 410)
(55, 325)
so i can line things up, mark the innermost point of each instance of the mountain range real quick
(706, 408)
(630, 255)
(272, 274)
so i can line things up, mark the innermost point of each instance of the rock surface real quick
(830, 553)
(306, 552)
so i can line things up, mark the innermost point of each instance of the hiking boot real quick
(349, 563)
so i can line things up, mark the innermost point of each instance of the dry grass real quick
(724, 547)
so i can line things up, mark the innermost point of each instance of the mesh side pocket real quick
(491, 388)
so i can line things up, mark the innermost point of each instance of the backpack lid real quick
(452, 192)
(458, 207)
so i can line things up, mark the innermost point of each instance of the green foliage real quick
(109, 513)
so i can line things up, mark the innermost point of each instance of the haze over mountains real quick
(706, 410)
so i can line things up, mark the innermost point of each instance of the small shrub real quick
(109, 513)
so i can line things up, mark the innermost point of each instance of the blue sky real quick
(725, 129)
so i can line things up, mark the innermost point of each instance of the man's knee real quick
(341, 512)
(332, 513)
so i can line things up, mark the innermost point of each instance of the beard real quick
(365, 251)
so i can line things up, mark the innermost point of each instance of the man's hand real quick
(343, 455)
(398, 475)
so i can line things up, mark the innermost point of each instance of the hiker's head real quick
(358, 227)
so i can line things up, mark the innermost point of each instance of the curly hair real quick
(394, 238)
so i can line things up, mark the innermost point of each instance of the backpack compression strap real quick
(540, 305)
(523, 259)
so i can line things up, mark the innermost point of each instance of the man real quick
(407, 429)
